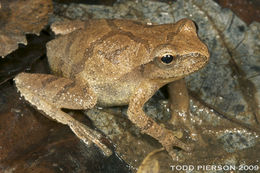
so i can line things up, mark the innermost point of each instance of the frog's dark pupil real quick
(167, 59)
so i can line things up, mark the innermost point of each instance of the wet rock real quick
(225, 93)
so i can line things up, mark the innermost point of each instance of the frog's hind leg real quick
(50, 93)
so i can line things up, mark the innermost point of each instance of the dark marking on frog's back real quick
(115, 30)
(111, 55)
(67, 50)
(79, 66)
(58, 61)
(144, 42)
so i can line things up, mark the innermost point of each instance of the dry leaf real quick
(19, 18)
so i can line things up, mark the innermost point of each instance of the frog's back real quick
(104, 49)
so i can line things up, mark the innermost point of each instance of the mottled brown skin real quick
(114, 62)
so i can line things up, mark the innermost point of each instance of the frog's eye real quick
(167, 59)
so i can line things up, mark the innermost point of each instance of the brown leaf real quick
(30, 143)
(247, 10)
(150, 164)
(18, 18)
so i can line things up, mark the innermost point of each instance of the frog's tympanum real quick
(112, 63)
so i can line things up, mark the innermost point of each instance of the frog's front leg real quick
(180, 105)
(50, 93)
(147, 125)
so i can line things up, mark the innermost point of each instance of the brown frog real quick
(111, 63)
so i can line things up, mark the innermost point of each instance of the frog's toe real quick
(169, 140)
(178, 134)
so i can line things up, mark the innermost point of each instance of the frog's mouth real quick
(192, 62)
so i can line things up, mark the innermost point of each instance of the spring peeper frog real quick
(111, 63)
